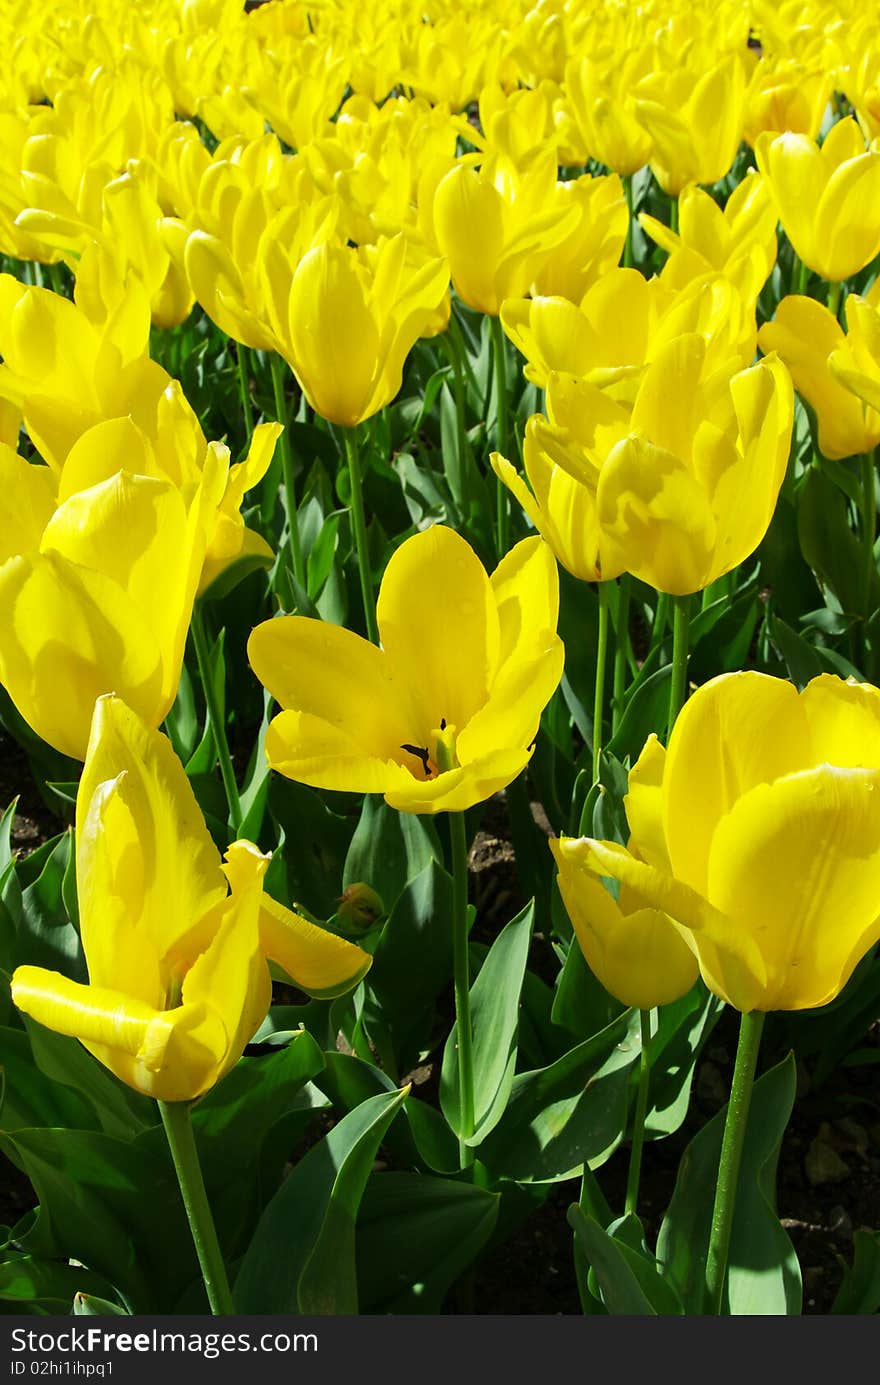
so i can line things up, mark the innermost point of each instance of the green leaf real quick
(570, 1113)
(630, 1283)
(27, 1097)
(495, 999)
(646, 711)
(799, 657)
(389, 849)
(581, 1004)
(860, 1290)
(829, 544)
(120, 1110)
(416, 1235)
(29, 1282)
(683, 1028)
(234, 573)
(763, 1272)
(309, 869)
(412, 962)
(46, 935)
(302, 1256)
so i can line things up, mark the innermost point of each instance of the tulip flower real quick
(599, 101)
(176, 944)
(827, 197)
(353, 318)
(446, 711)
(499, 225)
(678, 489)
(98, 589)
(825, 366)
(787, 95)
(738, 241)
(636, 952)
(594, 245)
(695, 121)
(856, 362)
(758, 832)
(622, 322)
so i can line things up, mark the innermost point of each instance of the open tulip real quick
(827, 197)
(445, 712)
(695, 121)
(856, 362)
(678, 489)
(825, 364)
(738, 241)
(178, 976)
(758, 833)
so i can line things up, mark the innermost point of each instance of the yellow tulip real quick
(445, 713)
(694, 119)
(786, 95)
(499, 225)
(856, 362)
(178, 976)
(594, 244)
(621, 324)
(603, 122)
(827, 197)
(738, 242)
(678, 489)
(636, 952)
(823, 364)
(758, 833)
(353, 318)
(98, 589)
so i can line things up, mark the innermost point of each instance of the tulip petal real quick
(27, 502)
(643, 803)
(844, 721)
(730, 960)
(439, 626)
(334, 339)
(305, 747)
(797, 863)
(462, 787)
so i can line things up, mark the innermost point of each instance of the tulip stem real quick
(638, 1135)
(731, 1154)
(215, 716)
(359, 525)
(673, 214)
(681, 619)
(621, 649)
(244, 389)
(502, 432)
(834, 291)
(628, 243)
(454, 348)
(181, 1142)
(281, 416)
(462, 982)
(869, 532)
(801, 276)
(599, 694)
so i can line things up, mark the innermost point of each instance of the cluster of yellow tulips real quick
(329, 183)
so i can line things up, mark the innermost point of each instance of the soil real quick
(828, 1181)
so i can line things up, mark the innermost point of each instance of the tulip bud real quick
(359, 908)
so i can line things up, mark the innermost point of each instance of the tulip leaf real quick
(111, 1204)
(628, 1281)
(302, 1256)
(570, 1113)
(860, 1289)
(495, 1001)
(764, 1276)
(309, 868)
(30, 1283)
(646, 711)
(416, 1234)
(418, 1135)
(204, 757)
(28, 1097)
(581, 1004)
(412, 962)
(234, 573)
(800, 658)
(683, 1028)
(182, 722)
(46, 935)
(389, 849)
(829, 544)
(7, 822)
(121, 1111)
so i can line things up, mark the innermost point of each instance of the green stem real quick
(454, 347)
(801, 276)
(628, 243)
(731, 1155)
(502, 431)
(621, 649)
(869, 535)
(181, 1142)
(599, 694)
(462, 981)
(659, 623)
(638, 1138)
(244, 389)
(681, 619)
(296, 554)
(215, 715)
(673, 214)
(834, 292)
(359, 524)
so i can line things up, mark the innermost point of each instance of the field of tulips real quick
(439, 656)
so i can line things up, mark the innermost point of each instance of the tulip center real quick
(438, 756)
